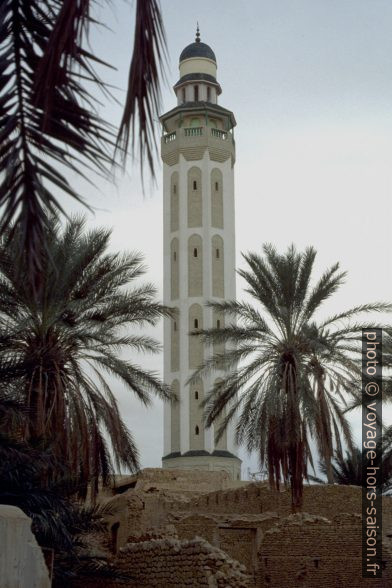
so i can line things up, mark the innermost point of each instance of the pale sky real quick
(310, 84)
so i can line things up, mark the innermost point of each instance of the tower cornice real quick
(199, 107)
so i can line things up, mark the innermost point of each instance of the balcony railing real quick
(197, 132)
(193, 131)
(170, 137)
(220, 134)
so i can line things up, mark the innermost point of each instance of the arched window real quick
(218, 319)
(195, 266)
(196, 423)
(175, 282)
(195, 343)
(175, 344)
(217, 198)
(175, 418)
(195, 204)
(174, 202)
(222, 443)
(218, 288)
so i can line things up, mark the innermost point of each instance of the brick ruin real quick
(190, 528)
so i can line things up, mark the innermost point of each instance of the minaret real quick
(198, 154)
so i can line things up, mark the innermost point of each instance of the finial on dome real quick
(197, 34)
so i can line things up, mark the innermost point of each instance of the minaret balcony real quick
(193, 141)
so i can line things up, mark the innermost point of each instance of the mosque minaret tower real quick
(198, 154)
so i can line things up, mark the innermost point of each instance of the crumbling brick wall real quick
(171, 562)
(306, 551)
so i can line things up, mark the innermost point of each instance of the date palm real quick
(57, 349)
(348, 469)
(288, 377)
(49, 107)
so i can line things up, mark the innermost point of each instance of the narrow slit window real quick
(218, 324)
(175, 255)
(195, 252)
(217, 253)
(175, 326)
(196, 395)
(194, 184)
(196, 323)
(216, 186)
(183, 94)
(196, 93)
(208, 94)
(175, 189)
(196, 430)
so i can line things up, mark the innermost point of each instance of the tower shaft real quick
(198, 154)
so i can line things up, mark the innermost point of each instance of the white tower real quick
(198, 156)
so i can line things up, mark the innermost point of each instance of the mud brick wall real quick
(323, 500)
(198, 526)
(170, 562)
(303, 550)
(241, 544)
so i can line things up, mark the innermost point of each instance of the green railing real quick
(193, 131)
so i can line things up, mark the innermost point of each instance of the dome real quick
(198, 49)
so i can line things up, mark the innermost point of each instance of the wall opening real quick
(114, 536)
(195, 266)
(174, 270)
(208, 94)
(196, 93)
(217, 198)
(196, 395)
(195, 204)
(183, 94)
(196, 323)
(218, 288)
(196, 430)
(174, 203)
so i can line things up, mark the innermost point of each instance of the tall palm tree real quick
(55, 349)
(293, 374)
(49, 107)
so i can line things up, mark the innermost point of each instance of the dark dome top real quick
(198, 49)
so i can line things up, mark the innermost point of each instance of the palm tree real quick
(347, 470)
(59, 522)
(293, 374)
(55, 349)
(49, 99)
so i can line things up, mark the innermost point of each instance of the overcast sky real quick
(310, 84)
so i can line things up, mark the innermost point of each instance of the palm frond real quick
(143, 94)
